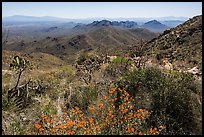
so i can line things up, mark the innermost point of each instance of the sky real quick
(81, 10)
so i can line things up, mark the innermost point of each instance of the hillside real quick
(39, 60)
(106, 39)
(112, 39)
(152, 25)
(183, 43)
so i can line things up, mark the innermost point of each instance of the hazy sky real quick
(102, 9)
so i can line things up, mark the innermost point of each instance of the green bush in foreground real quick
(173, 102)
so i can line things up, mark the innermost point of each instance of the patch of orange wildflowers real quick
(38, 126)
(71, 123)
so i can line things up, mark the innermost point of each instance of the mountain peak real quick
(127, 24)
(155, 26)
(153, 22)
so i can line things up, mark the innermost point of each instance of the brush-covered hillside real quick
(180, 44)
(102, 39)
(105, 81)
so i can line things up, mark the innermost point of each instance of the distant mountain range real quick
(153, 25)
(28, 27)
(20, 18)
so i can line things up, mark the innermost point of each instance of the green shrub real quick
(82, 58)
(142, 80)
(84, 96)
(122, 60)
(172, 102)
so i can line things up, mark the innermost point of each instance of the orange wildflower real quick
(139, 110)
(52, 121)
(38, 126)
(112, 92)
(62, 127)
(140, 133)
(124, 111)
(91, 120)
(71, 132)
(97, 128)
(127, 94)
(53, 130)
(64, 117)
(88, 131)
(59, 126)
(121, 106)
(71, 123)
(79, 125)
(135, 114)
(142, 118)
(101, 105)
(138, 115)
(151, 131)
(131, 107)
(43, 118)
(126, 98)
(97, 113)
(83, 122)
(132, 129)
(92, 108)
(104, 124)
(48, 120)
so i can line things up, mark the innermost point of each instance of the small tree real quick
(86, 65)
(19, 65)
